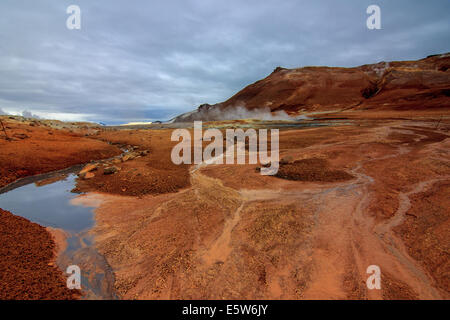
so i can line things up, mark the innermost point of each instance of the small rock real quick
(20, 136)
(88, 175)
(286, 160)
(129, 156)
(110, 170)
(144, 153)
(88, 168)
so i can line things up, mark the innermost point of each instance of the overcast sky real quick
(148, 60)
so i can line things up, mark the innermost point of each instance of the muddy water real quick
(47, 200)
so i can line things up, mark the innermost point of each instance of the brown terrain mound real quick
(27, 268)
(34, 148)
(398, 87)
(311, 170)
(155, 173)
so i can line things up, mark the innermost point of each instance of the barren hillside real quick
(388, 86)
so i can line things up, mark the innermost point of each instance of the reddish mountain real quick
(398, 85)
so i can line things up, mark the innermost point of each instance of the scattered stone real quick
(144, 153)
(88, 175)
(110, 170)
(20, 136)
(129, 156)
(88, 168)
(286, 160)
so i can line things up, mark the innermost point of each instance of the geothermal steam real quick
(233, 113)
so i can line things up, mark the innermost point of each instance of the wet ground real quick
(47, 200)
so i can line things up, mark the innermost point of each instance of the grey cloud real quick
(145, 60)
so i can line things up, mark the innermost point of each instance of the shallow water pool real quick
(46, 200)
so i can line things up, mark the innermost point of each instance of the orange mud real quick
(231, 233)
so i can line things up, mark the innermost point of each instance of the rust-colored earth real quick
(367, 193)
(347, 197)
(154, 173)
(27, 267)
(384, 89)
(372, 190)
(35, 148)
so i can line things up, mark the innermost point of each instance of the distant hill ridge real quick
(397, 85)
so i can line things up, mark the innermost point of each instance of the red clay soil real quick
(394, 289)
(36, 149)
(156, 174)
(152, 174)
(426, 229)
(235, 234)
(136, 178)
(313, 169)
(31, 148)
(26, 262)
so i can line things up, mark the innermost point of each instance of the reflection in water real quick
(49, 205)
(47, 200)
